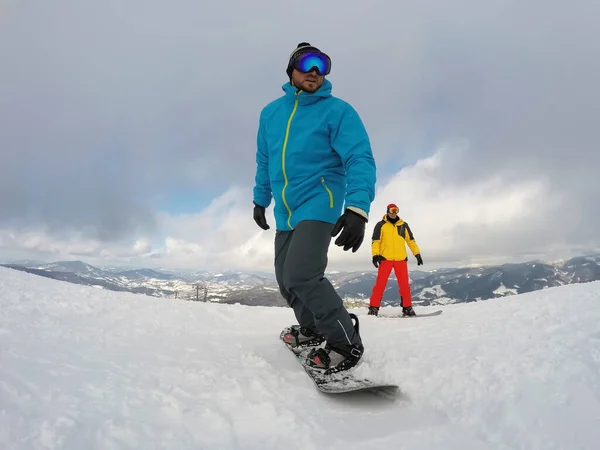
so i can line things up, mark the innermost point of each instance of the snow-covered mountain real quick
(78, 267)
(436, 287)
(225, 286)
(481, 283)
(82, 368)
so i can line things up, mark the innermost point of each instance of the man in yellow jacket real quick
(389, 252)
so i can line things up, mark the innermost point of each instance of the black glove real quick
(419, 259)
(377, 259)
(354, 230)
(259, 217)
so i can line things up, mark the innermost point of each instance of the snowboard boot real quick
(373, 311)
(408, 311)
(335, 358)
(298, 336)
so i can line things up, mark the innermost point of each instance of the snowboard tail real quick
(401, 316)
(338, 382)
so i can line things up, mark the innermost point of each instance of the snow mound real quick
(83, 368)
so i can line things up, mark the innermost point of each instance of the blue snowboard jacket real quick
(313, 157)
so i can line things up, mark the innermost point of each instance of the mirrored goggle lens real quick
(307, 61)
(393, 210)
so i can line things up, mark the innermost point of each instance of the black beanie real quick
(302, 47)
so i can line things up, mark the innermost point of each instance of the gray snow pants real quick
(300, 263)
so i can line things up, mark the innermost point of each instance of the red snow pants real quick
(383, 273)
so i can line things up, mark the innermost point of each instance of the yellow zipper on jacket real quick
(285, 141)
(328, 191)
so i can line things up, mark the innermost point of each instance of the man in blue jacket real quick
(314, 159)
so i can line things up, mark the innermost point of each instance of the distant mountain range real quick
(435, 287)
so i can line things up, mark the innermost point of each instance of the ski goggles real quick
(307, 61)
(393, 210)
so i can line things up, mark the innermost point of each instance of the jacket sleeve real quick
(350, 140)
(262, 187)
(410, 240)
(376, 239)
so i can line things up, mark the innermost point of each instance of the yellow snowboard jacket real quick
(389, 240)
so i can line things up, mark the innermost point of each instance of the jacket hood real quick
(306, 98)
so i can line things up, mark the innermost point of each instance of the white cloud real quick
(40, 243)
(107, 119)
(222, 236)
(142, 247)
(492, 218)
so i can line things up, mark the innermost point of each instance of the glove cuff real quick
(359, 211)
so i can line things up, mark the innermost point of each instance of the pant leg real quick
(383, 273)
(304, 278)
(401, 270)
(303, 315)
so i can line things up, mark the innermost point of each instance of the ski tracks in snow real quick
(86, 368)
(128, 372)
(515, 373)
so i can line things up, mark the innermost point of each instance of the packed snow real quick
(503, 290)
(83, 368)
(436, 291)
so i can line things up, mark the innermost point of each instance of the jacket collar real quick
(399, 222)
(306, 98)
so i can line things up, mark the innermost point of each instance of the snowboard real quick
(340, 382)
(400, 316)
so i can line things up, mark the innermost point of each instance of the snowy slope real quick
(82, 368)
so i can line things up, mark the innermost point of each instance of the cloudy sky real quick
(128, 128)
